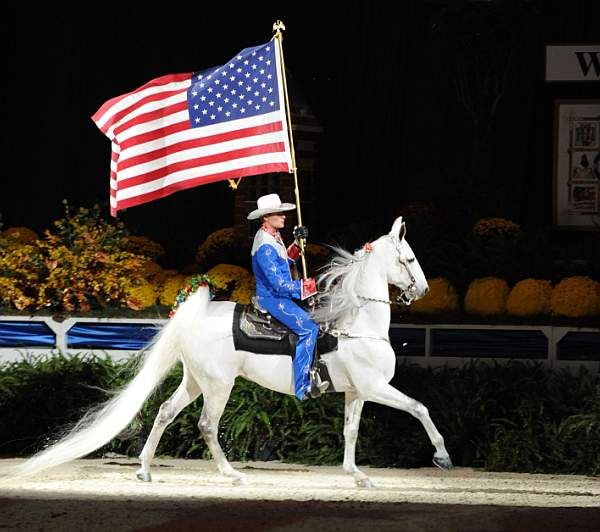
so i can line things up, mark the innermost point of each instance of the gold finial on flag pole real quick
(278, 27)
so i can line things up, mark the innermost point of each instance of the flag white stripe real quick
(193, 133)
(191, 173)
(147, 108)
(196, 152)
(153, 125)
(134, 98)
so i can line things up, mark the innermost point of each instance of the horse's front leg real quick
(352, 412)
(379, 391)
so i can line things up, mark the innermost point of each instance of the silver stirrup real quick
(317, 383)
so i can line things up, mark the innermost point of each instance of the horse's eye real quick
(411, 260)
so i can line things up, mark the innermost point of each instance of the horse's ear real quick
(397, 227)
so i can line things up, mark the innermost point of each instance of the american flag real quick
(184, 130)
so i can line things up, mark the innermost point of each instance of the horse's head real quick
(402, 267)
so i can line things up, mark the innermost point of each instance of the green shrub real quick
(515, 416)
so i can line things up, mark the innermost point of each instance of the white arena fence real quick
(427, 345)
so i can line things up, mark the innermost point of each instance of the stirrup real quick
(317, 386)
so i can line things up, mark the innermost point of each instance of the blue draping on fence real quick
(408, 342)
(579, 346)
(489, 343)
(26, 334)
(110, 335)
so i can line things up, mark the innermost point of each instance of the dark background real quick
(380, 78)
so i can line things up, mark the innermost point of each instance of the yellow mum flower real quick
(244, 291)
(495, 226)
(529, 297)
(11, 294)
(149, 270)
(170, 288)
(20, 234)
(442, 297)
(159, 278)
(141, 245)
(141, 295)
(219, 246)
(487, 296)
(576, 297)
(224, 276)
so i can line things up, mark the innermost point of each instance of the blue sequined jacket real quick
(271, 267)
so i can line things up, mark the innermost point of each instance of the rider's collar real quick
(273, 232)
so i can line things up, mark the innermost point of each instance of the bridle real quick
(407, 294)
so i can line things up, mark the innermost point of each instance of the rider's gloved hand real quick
(300, 232)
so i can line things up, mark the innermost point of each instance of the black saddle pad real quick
(259, 332)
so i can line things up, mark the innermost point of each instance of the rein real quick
(386, 301)
(337, 333)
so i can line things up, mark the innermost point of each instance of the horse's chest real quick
(387, 364)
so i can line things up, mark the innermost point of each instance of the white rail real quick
(425, 344)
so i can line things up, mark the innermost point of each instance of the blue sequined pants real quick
(297, 319)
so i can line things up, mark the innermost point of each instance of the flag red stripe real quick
(197, 143)
(163, 112)
(147, 99)
(164, 172)
(163, 80)
(203, 180)
(154, 135)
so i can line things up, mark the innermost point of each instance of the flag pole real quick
(278, 26)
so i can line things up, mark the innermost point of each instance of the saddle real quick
(256, 331)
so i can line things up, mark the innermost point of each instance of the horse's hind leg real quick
(214, 405)
(187, 392)
(353, 410)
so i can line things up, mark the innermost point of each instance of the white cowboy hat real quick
(269, 204)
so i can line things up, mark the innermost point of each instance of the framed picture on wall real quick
(577, 164)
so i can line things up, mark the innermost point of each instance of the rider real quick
(276, 290)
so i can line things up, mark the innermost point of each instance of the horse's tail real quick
(106, 421)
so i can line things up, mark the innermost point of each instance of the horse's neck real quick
(374, 313)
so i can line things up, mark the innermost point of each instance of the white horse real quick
(356, 301)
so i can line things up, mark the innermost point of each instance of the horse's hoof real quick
(364, 483)
(240, 481)
(443, 463)
(144, 476)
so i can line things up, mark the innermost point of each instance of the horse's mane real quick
(337, 297)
